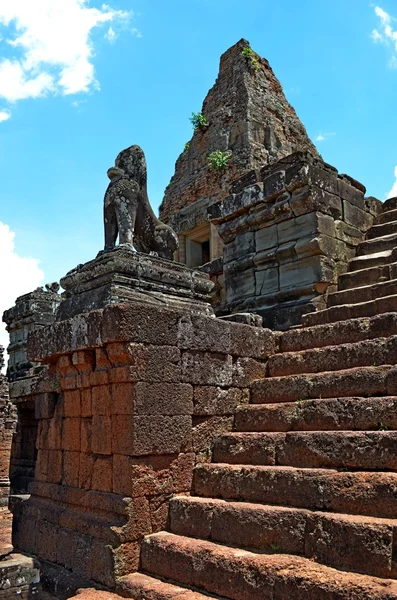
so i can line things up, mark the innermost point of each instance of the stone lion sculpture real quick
(127, 210)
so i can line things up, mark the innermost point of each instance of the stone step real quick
(363, 277)
(140, 586)
(320, 415)
(357, 543)
(363, 293)
(390, 204)
(377, 245)
(367, 261)
(242, 575)
(341, 332)
(387, 216)
(358, 492)
(351, 311)
(360, 381)
(365, 450)
(379, 351)
(387, 228)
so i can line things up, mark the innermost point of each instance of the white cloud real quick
(18, 275)
(4, 115)
(322, 136)
(51, 46)
(111, 35)
(393, 191)
(387, 35)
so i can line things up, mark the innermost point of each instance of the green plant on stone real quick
(199, 121)
(274, 548)
(380, 427)
(186, 148)
(218, 160)
(248, 53)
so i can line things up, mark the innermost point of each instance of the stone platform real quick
(123, 275)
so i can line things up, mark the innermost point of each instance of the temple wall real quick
(289, 231)
(7, 427)
(131, 399)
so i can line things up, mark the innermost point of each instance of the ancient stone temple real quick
(169, 446)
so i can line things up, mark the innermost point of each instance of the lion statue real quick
(127, 210)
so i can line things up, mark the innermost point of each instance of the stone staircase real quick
(300, 500)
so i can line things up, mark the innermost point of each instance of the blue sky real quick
(77, 87)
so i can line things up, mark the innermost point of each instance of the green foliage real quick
(199, 121)
(248, 53)
(218, 160)
(380, 427)
(186, 148)
(274, 548)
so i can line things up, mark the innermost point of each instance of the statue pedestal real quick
(122, 275)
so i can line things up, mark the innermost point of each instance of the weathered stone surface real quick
(122, 275)
(31, 311)
(247, 114)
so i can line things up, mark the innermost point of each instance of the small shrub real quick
(186, 148)
(248, 53)
(199, 121)
(219, 160)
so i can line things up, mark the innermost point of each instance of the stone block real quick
(296, 176)
(45, 405)
(101, 438)
(86, 467)
(206, 429)
(273, 185)
(163, 399)
(47, 534)
(285, 253)
(297, 227)
(54, 473)
(122, 398)
(267, 281)
(86, 402)
(356, 217)
(86, 435)
(351, 193)
(212, 400)
(102, 475)
(239, 284)
(206, 368)
(72, 403)
(84, 361)
(324, 179)
(101, 400)
(71, 434)
(348, 234)
(119, 322)
(150, 434)
(312, 198)
(252, 342)
(155, 363)
(266, 237)
(243, 244)
(70, 469)
(204, 334)
(154, 475)
(307, 271)
(246, 371)
(122, 475)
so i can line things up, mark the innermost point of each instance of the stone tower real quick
(248, 115)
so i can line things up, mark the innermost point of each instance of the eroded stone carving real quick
(127, 210)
